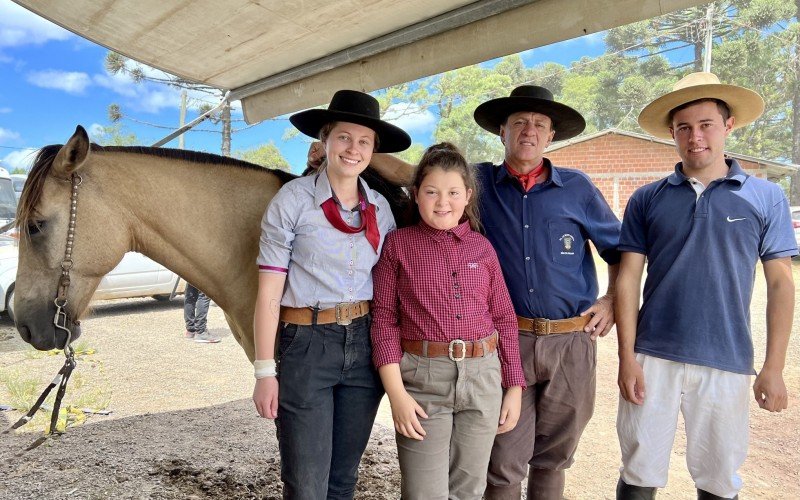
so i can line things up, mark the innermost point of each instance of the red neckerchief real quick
(369, 220)
(526, 180)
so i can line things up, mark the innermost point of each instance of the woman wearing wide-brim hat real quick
(321, 236)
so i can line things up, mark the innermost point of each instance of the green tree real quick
(267, 155)
(115, 135)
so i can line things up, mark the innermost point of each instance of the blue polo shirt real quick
(701, 257)
(542, 238)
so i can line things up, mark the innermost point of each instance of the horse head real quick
(52, 272)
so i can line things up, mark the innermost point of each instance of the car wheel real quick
(161, 298)
(10, 305)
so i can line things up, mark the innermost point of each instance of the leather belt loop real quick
(314, 314)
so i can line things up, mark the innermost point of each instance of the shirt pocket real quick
(566, 243)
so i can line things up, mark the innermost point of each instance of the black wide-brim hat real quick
(566, 121)
(356, 107)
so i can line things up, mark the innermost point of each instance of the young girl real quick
(441, 314)
(321, 236)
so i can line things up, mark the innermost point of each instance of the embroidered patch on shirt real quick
(566, 241)
(472, 265)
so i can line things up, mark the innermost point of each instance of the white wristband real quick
(264, 368)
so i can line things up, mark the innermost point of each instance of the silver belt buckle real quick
(339, 319)
(450, 349)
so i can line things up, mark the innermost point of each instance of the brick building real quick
(619, 162)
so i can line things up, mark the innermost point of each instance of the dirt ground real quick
(182, 425)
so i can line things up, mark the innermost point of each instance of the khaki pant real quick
(462, 400)
(556, 406)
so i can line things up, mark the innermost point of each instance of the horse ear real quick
(72, 155)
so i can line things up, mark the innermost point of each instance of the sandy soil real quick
(182, 424)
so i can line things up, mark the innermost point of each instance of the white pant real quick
(714, 404)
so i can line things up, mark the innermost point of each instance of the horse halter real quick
(60, 322)
(60, 319)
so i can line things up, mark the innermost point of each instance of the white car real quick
(135, 276)
(18, 182)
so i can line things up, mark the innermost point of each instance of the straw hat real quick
(566, 121)
(745, 104)
(354, 107)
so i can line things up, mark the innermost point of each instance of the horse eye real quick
(35, 227)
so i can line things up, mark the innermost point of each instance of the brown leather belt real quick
(544, 326)
(456, 350)
(343, 314)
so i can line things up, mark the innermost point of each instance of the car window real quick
(8, 200)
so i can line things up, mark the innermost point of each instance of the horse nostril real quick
(24, 333)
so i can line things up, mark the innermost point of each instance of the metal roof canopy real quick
(281, 56)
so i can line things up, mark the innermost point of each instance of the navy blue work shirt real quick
(542, 238)
(701, 258)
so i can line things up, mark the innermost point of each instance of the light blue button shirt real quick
(325, 266)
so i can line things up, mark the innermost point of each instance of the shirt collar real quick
(554, 176)
(323, 190)
(735, 173)
(460, 231)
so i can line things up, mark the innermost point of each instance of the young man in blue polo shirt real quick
(701, 231)
(540, 218)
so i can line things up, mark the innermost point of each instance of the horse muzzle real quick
(43, 335)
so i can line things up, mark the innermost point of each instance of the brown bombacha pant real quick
(556, 406)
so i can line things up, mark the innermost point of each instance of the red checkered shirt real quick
(441, 286)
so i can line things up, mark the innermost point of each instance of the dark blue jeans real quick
(328, 399)
(195, 309)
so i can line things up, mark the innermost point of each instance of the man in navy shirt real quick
(540, 219)
(701, 231)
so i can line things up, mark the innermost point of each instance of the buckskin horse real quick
(197, 214)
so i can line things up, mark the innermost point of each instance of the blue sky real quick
(52, 80)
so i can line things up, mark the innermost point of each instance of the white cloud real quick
(71, 82)
(410, 117)
(152, 97)
(5, 110)
(96, 131)
(19, 26)
(19, 159)
(8, 135)
(117, 83)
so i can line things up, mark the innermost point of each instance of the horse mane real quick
(34, 186)
(44, 163)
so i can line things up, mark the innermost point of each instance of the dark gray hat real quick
(354, 107)
(566, 121)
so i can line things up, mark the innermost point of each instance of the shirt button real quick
(350, 272)
(455, 286)
(527, 258)
(454, 274)
(525, 226)
(525, 196)
(350, 290)
(530, 290)
(458, 316)
(458, 295)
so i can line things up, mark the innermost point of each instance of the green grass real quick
(88, 387)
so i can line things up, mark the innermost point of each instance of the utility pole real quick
(181, 144)
(709, 37)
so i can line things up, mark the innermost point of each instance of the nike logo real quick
(734, 220)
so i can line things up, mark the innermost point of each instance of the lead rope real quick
(60, 321)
